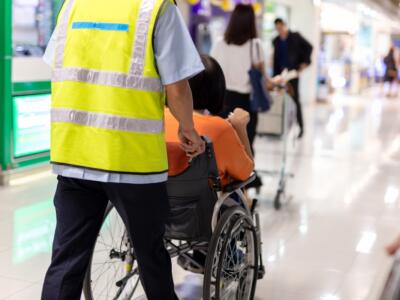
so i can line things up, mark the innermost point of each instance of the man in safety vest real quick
(114, 64)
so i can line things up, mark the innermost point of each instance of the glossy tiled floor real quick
(327, 241)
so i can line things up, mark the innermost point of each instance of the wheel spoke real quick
(108, 263)
(234, 257)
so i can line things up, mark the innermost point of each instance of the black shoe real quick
(190, 266)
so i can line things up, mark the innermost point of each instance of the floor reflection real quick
(34, 227)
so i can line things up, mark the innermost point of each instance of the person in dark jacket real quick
(292, 52)
(391, 72)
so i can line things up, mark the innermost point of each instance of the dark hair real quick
(208, 87)
(242, 25)
(279, 21)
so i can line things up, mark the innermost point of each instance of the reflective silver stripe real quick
(61, 35)
(140, 41)
(107, 78)
(133, 80)
(106, 121)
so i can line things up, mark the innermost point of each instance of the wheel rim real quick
(237, 266)
(233, 269)
(111, 274)
(216, 259)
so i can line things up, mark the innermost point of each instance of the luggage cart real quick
(278, 123)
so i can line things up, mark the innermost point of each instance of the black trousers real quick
(296, 98)
(239, 100)
(80, 207)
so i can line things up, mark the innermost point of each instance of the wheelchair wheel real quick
(231, 268)
(112, 272)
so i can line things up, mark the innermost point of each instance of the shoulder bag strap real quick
(251, 54)
(253, 63)
(258, 52)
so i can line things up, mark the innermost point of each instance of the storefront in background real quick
(352, 50)
(25, 82)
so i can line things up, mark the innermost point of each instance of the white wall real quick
(27, 69)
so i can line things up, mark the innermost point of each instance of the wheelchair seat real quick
(192, 196)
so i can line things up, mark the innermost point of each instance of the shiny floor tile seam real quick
(19, 279)
(5, 250)
(376, 288)
(32, 292)
(9, 296)
(326, 154)
(343, 281)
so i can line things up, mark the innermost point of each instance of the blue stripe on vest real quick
(100, 26)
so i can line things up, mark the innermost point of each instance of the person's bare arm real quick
(239, 120)
(268, 81)
(180, 103)
(244, 138)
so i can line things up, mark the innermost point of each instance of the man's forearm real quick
(180, 103)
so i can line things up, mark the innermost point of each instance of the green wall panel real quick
(30, 88)
(9, 89)
(5, 84)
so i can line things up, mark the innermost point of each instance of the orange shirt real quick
(232, 159)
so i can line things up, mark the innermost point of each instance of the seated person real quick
(231, 143)
(229, 137)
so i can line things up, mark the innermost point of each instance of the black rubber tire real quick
(278, 200)
(228, 218)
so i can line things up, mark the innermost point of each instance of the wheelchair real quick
(204, 218)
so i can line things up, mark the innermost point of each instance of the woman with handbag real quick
(242, 59)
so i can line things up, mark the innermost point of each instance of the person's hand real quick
(302, 67)
(278, 80)
(191, 142)
(239, 118)
(392, 248)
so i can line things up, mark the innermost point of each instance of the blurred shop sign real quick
(31, 124)
(226, 5)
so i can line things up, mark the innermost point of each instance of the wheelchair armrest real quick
(236, 185)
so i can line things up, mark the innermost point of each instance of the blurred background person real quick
(291, 52)
(391, 73)
(236, 53)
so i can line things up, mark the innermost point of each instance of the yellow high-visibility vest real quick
(107, 96)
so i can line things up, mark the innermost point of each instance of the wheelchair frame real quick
(183, 247)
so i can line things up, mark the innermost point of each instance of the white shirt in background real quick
(236, 63)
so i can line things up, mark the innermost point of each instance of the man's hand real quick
(180, 103)
(191, 142)
(239, 118)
